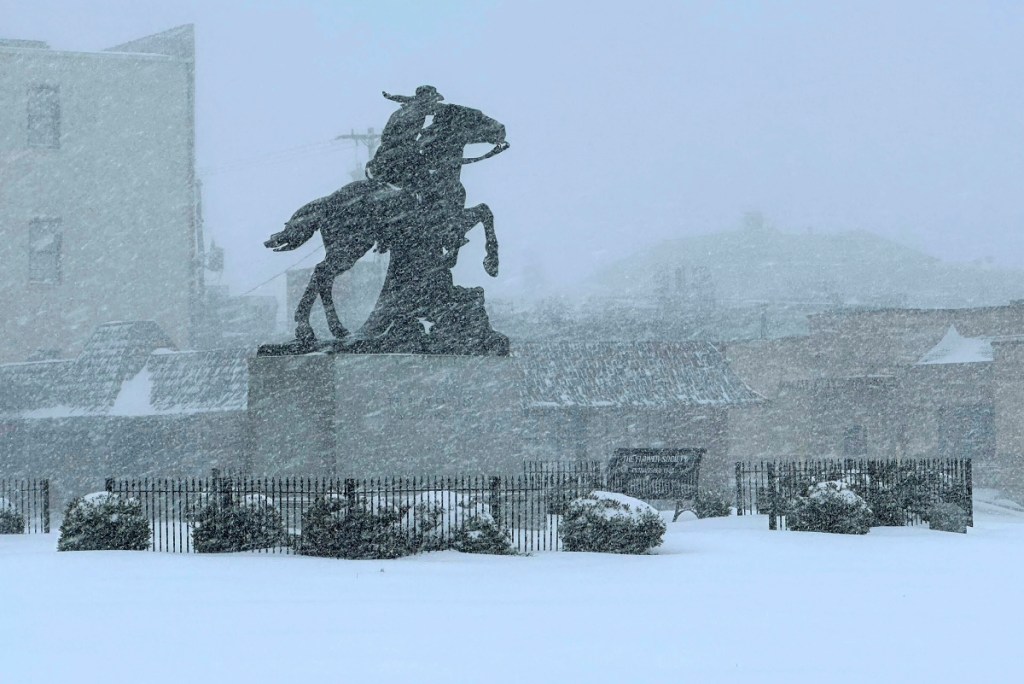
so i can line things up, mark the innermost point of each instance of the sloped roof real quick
(114, 353)
(637, 374)
(32, 387)
(126, 368)
(955, 348)
(190, 382)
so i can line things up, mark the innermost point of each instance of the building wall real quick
(77, 454)
(815, 390)
(971, 410)
(121, 183)
(932, 400)
(824, 418)
(1008, 393)
(765, 364)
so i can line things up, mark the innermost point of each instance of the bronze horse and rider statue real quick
(411, 206)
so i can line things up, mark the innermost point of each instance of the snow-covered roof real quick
(610, 374)
(126, 369)
(955, 348)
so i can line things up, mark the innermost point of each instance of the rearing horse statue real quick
(423, 228)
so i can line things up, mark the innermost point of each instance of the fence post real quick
(739, 489)
(223, 486)
(773, 495)
(45, 487)
(350, 492)
(872, 484)
(494, 500)
(969, 477)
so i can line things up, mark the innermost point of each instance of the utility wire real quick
(276, 157)
(298, 261)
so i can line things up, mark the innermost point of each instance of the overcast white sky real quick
(630, 122)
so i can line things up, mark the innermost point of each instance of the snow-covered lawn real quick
(724, 600)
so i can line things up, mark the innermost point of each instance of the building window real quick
(44, 247)
(855, 441)
(44, 116)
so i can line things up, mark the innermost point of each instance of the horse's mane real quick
(459, 121)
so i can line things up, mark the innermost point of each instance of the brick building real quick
(97, 192)
(921, 383)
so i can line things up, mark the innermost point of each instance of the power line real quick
(370, 139)
(274, 157)
(286, 269)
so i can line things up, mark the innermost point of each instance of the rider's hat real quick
(428, 92)
(424, 93)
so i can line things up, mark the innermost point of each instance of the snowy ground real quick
(723, 601)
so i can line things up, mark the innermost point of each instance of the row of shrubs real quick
(834, 506)
(335, 527)
(339, 528)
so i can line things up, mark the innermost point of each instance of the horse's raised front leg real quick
(481, 213)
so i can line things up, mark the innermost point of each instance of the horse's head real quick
(299, 228)
(456, 126)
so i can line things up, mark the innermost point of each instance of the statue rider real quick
(399, 160)
(403, 160)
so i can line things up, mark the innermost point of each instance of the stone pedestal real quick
(366, 415)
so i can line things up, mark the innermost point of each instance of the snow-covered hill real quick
(763, 265)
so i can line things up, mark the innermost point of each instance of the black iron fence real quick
(562, 481)
(903, 490)
(586, 471)
(526, 506)
(24, 506)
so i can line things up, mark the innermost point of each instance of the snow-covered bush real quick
(429, 519)
(887, 507)
(897, 491)
(610, 523)
(830, 506)
(249, 522)
(482, 534)
(711, 505)
(339, 529)
(104, 521)
(11, 522)
(442, 520)
(947, 517)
